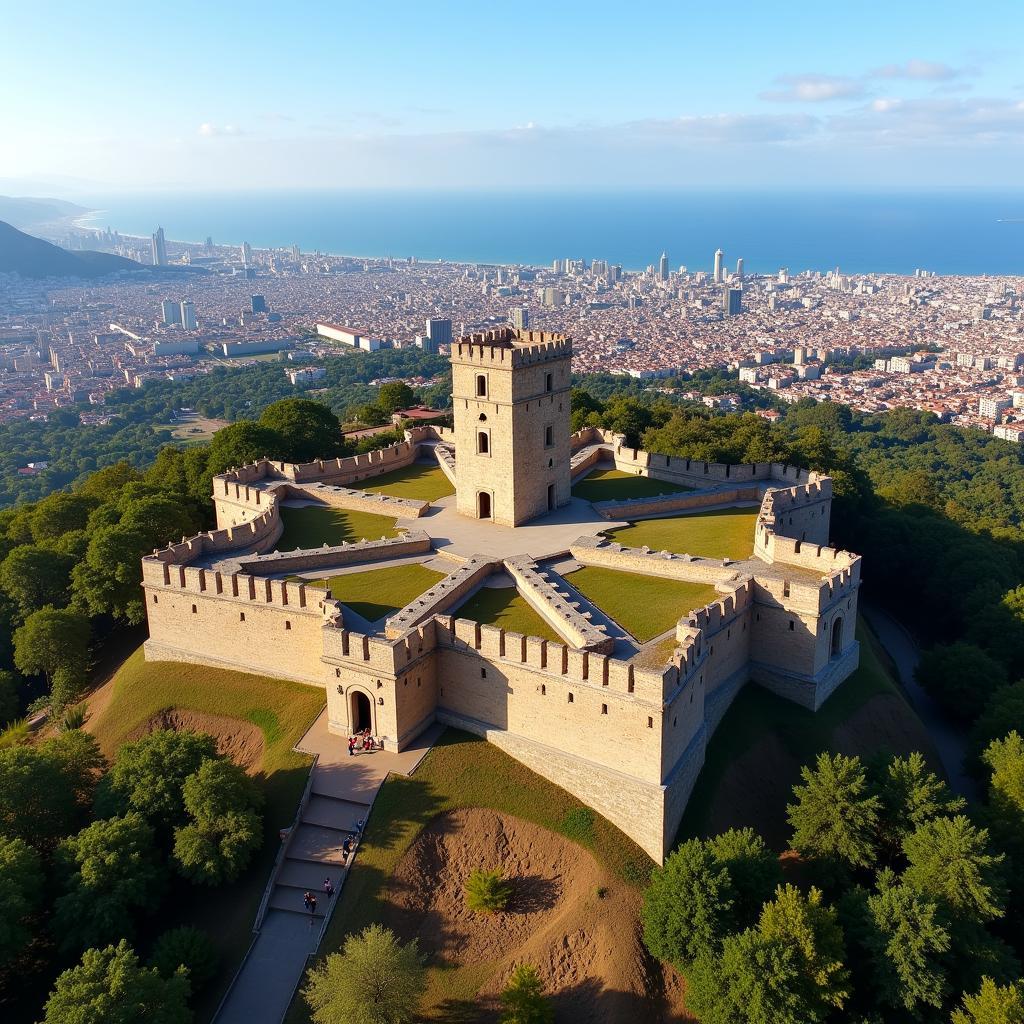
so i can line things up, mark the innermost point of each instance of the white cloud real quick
(208, 130)
(919, 70)
(813, 88)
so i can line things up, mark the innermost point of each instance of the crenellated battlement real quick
(510, 348)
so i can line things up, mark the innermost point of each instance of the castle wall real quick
(245, 622)
(442, 595)
(679, 503)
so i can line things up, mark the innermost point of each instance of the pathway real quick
(342, 790)
(950, 742)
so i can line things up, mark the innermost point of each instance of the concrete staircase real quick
(315, 853)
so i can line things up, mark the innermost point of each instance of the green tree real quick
(961, 677)
(949, 860)
(487, 891)
(226, 828)
(53, 641)
(753, 980)
(912, 795)
(1004, 713)
(60, 513)
(159, 519)
(834, 816)
(1005, 759)
(307, 430)
(906, 945)
(21, 884)
(687, 904)
(148, 775)
(9, 703)
(107, 581)
(993, 1004)
(375, 980)
(395, 395)
(110, 871)
(188, 948)
(238, 445)
(109, 986)
(810, 929)
(81, 762)
(522, 999)
(36, 802)
(754, 871)
(33, 577)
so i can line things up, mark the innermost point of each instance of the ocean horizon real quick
(970, 232)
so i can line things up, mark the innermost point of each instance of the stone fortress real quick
(627, 739)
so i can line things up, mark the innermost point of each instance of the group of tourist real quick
(363, 741)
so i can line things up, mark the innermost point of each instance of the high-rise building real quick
(663, 267)
(209, 242)
(519, 317)
(553, 297)
(739, 269)
(246, 253)
(159, 247)
(732, 301)
(719, 256)
(439, 332)
(188, 315)
(258, 304)
(171, 312)
(296, 254)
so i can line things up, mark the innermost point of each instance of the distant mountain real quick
(24, 212)
(32, 257)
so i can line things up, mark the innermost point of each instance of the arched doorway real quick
(837, 636)
(360, 716)
(483, 500)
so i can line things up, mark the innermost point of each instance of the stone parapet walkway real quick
(342, 791)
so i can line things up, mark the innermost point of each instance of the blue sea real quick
(949, 232)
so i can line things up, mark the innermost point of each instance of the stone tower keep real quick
(510, 392)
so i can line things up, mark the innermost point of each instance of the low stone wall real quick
(445, 455)
(354, 500)
(554, 607)
(413, 542)
(679, 502)
(686, 568)
(441, 596)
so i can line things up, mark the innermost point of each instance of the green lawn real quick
(506, 608)
(312, 526)
(283, 711)
(614, 484)
(721, 533)
(758, 715)
(643, 605)
(379, 592)
(423, 483)
(461, 771)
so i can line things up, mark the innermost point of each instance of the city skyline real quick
(593, 99)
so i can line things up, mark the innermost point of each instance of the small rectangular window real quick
(287, 624)
(548, 437)
(156, 599)
(650, 722)
(241, 616)
(549, 382)
(604, 709)
(194, 609)
(792, 625)
(483, 673)
(481, 385)
(570, 698)
(785, 588)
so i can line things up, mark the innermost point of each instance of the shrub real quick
(578, 824)
(522, 1000)
(73, 718)
(487, 892)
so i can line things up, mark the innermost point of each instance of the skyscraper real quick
(296, 254)
(663, 267)
(159, 246)
(739, 269)
(258, 304)
(719, 256)
(732, 301)
(519, 317)
(171, 312)
(246, 253)
(439, 332)
(188, 315)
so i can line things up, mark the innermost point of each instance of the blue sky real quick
(450, 94)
